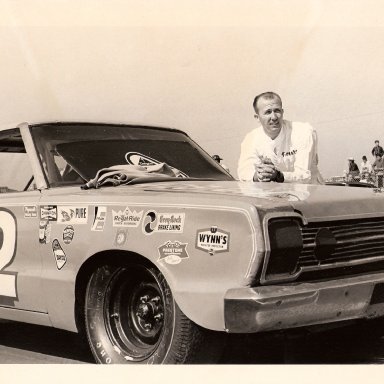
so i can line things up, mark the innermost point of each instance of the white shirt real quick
(293, 152)
(366, 167)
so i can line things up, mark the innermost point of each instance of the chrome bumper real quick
(292, 305)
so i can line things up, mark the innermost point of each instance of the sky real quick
(196, 65)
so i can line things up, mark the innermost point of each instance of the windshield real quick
(73, 153)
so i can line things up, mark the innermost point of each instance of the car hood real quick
(315, 202)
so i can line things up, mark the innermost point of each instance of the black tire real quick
(131, 317)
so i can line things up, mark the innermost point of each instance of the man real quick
(353, 169)
(365, 169)
(378, 163)
(377, 149)
(378, 167)
(365, 165)
(278, 150)
(218, 159)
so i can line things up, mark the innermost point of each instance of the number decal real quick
(7, 253)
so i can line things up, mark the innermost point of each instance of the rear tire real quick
(131, 317)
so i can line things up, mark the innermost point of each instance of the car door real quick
(20, 260)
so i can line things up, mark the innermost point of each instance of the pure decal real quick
(126, 218)
(212, 240)
(173, 252)
(163, 222)
(72, 215)
(59, 254)
(100, 218)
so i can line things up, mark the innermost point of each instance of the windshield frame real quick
(45, 133)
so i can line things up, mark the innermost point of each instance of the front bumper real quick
(274, 307)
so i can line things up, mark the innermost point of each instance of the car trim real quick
(32, 153)
(269, 308)
(269, 216)
(282, 279)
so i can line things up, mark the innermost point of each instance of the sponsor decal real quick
(212, 240)
(59, 254)
(72, 215)
(163, 222)
(121, 237)
(68, 234)
(30, 211)
(136, 158)
(126, 218)
(48, 212)
(173, 252)
(99, 220)
(44, 231)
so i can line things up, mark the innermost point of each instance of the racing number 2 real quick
(7, 252)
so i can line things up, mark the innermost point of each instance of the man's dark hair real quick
(364, 158)
(377, 141)
(265, 95)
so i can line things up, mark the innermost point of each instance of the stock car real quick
(137, 238)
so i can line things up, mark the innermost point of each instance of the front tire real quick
(131, 317)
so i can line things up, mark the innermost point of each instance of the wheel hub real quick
(149, 312)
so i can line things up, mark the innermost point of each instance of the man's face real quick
(270, 114)
(376, 143)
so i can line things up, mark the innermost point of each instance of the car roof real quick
(7, 126)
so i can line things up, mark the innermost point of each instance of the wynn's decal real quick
(163, 222)
(212, 240)
(30, 211)
(126, 218)
(59, 254)
(100, 218)
(136, 158)
(173, 252)
(72, 214)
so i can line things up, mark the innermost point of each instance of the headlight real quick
(286, 244)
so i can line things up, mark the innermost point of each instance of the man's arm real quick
(249, 159)
(305, 158)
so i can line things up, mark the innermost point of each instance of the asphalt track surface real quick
(357, 344)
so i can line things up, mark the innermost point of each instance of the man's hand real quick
(266, 171)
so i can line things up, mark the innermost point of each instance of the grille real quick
(356, 240)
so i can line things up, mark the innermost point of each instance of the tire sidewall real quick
(102, 345)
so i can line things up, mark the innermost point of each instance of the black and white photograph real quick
(195, 183)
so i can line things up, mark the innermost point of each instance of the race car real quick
(136, 237)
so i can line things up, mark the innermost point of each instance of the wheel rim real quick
(135, 313)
